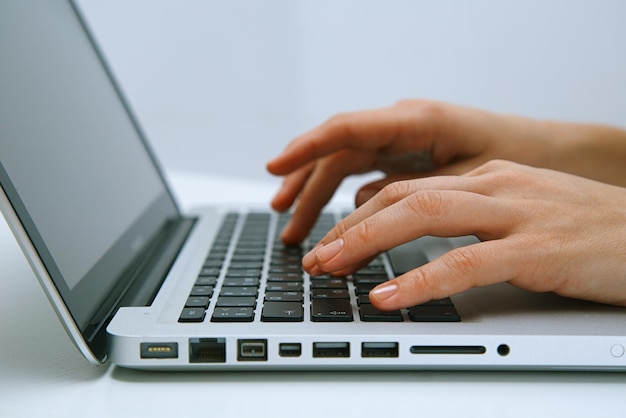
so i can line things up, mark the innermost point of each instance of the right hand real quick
(411, 139)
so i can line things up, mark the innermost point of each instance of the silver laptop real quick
(137, 282)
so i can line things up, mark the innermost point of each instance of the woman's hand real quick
(411, 139)
(540, 230)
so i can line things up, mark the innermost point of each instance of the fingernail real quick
(384, 291)
(329, 251)
(309, 258)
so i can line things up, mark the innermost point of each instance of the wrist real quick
(592, 151)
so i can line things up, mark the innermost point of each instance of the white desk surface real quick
(42, 374)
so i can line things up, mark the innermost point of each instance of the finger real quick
(320, 186)
(461, 269)
(465, 167)
(369, 190)
(400, 190)
(369, 129)
(433, 212)
(319, 189)
(291, 187)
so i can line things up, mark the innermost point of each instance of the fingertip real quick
(382, 293)
(392, 295)
(290, 236)
(279, 204)
(273, 166)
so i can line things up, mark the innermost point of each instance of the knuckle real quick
(393, 193)
(407, 103)
(339, 229)
(365, 230)
(423, 106)
(497, 165)
(501, 174)
(367, 234)
(341, 123)
(336, 119)
(462, 262)
(418, 283)
(426, 110)
(427, 203)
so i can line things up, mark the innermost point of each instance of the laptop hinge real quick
(143, 278)
(158, 263)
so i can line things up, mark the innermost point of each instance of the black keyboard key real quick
(423, 313)
(192, 315)
(197, 302)
(206, 281)
(364, 288)
(285, 277)
(331, 310)
(249, 252)
(286, 269)
(202, 291)
(371, 270)
(245, 314)
(247, 258)
(333, 283)
(234, 273)
(285, 259)
(239, 291)
(236, 302)
(284, 287)
(282, 250)
(245, 265)
(369, 313)
(282, 312)
(213, 263)
(438, 302)
(210, 272)
(241, 282)
(363, 299)
(330, 294)
(283, 297)
(367, 279)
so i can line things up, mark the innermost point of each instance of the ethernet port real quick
(207, 350)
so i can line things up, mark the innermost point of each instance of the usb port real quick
(379, 349)
(252, 350)
(331, 349)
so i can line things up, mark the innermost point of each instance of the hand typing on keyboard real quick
(546, 199)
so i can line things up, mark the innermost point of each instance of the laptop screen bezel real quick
(89, 334)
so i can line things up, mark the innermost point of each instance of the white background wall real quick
(221, 86)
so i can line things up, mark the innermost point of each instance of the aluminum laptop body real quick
(132, 279)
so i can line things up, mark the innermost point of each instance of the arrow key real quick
(282, 312)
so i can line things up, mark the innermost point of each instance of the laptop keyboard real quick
(257, 277)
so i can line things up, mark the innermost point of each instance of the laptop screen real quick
(73, 162)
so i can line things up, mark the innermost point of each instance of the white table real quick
(42, 374)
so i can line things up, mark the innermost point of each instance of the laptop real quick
(140, 284)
